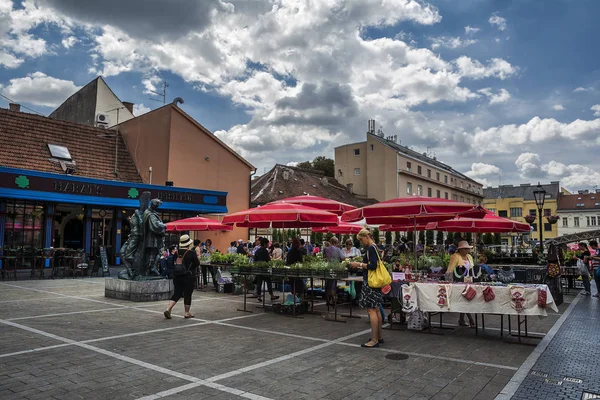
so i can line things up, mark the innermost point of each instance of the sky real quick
(504, 91)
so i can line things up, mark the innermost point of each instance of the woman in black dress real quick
(184, 284)
(370, 298)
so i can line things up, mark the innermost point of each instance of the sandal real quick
(369, 347)
(188, 316)
(167, 314)
(380, 341)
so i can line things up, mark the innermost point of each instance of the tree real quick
(429, 235)
(313, 237)
(397, 238)
(346, 237)
(410, 236)
(488, 238)
(327, 165)
(319, 238)
(422, 236)
(388, 237)
(304, 165)
(439, 238)
(469, 237)
(497, 239)
(450, 238)
(376, 235)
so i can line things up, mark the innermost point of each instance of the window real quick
(547, 227)
(548, 196)
(357, 152)
(580, 205)
(372, 147)
(446, 195)
(576, 221)
(588, 221)
(462, 199)
(409, 188)
(408, 166)
(547, 212)
(593, 221)
(532, 212)
(503, 213)
(357, 171)
(429, 192)
(340, 173)
(455, 197)
(429, 173)
(516, 212)
(437, 176)
(420, 189)
(445, 178)
(61, 152)
(24, 226)
(439, 194)
(419, 170)
(565, 222)
(504, 241)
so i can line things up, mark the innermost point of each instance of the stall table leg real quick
(246, 296)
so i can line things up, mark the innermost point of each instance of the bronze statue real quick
(141, 252)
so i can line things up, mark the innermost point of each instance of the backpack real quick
(179, 269)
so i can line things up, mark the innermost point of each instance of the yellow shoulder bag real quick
(379, 277)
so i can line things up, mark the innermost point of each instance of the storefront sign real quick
(88, 187)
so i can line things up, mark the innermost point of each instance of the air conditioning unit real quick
(102, 120)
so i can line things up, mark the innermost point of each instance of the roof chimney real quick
(14, 107)
(128, 105)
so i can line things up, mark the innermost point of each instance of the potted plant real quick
(552, 219)
(530, 219)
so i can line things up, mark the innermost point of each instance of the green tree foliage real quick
(313, 237)
(429, 235)
(305, 165)
(450, 237)
(388, 237)
(469, 237)
(410, 236)
(319, 238)
(324, 164)
(397, 237)
(376, 235)
(422, 236)
(488, 238)
(439, 238)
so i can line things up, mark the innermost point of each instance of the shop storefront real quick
(44, 210)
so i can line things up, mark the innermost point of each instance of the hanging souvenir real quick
(409, 299)
(488, 294)
(542, 297)
(443, 292)
(469, 293)
(517, 298)
(553, 270)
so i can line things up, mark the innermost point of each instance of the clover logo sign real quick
(22, 182)
(133, 193)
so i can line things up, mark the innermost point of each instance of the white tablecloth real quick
(427, 300)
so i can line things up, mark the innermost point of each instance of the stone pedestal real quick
(151, 290)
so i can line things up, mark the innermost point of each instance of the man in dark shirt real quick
(303, 247)
(240, 248)
(262, 255)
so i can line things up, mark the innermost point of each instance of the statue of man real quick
(154, 237)
(131, 250)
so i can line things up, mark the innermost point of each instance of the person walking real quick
(370, 298)
(262, 255)
(595, 257)
(184, 283)
(461, 265)
(583, 259)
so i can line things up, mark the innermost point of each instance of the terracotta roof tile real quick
(26, 137)
(292, 182)
(588, 201)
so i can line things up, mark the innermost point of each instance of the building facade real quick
(579, 212)
(516, 202)
(380, 168)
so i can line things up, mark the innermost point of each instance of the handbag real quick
(583, 269)
(488, 294)
(469, 293)
(179, 269)
(379, 277)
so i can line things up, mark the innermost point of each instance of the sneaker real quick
(596, 295)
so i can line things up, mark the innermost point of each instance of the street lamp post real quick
(540, 197)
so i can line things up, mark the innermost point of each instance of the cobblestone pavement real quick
(62, 339)
(568, 367)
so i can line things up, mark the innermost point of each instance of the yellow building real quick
(515, 202)
(382, 169)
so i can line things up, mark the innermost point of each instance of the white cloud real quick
(9, 60)
(481, 172)
(498, 21)
(582, 89)
(69, 42)
(150, 84)
(471, 30)
(139, 109)
(596, 109)
(450, 42)
(39, 89)
(495, 68)
(571, 176)
(502, 96)
(558, 107)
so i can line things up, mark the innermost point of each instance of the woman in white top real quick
(350, 251)
(277, 252)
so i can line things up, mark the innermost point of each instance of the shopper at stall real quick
(262, 255)
(484, 266)
(184, 283)
(583, 258)
(595, 257)
(349, 250)
(370, 298)
(460, 266)
(277, 252)
(232, 248)
(241, 249)
(294, 256)
(207, 250)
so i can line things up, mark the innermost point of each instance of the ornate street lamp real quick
(540, 197)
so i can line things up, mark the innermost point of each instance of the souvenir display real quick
(506, 276)
(553, 270)
(409, 298)
(469, 293)
(488, 294)
(517, 298)
(542, 297)
(442, 293)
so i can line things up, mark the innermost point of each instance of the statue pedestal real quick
(149, 290)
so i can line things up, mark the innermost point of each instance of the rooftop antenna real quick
(429, 152)
(163, 94)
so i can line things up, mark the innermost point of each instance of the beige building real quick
(382, 169)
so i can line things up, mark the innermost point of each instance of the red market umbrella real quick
(320, 203)
(489, 223)
(415, 209)
(343, 228)
(404, 227)
(197, 224)
(281, 215)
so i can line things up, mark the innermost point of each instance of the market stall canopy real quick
(281, 215)
(416, 210)
(403, 227)
(343, 228)
(197, 224)
(320, 203)
(490, 223)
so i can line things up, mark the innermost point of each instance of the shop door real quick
(73, 234)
